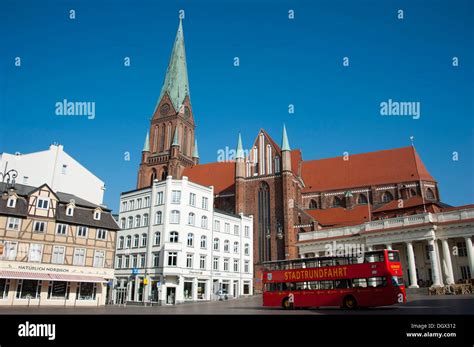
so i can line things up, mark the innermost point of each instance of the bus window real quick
(359, 283)
(374, 257)
(326, 262)
(326, 285)
(300, 286)
(397, 281)
(377, 281)
(393, 256)
(341, 261)
(342, 284)
(287, 286)
(313, 285)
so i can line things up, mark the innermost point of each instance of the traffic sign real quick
(135, 271)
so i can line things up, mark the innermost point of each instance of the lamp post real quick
(9, 177)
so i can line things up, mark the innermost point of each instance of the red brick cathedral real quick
(285, 194)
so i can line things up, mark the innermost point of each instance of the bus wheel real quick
(350, 302)
(287, 305)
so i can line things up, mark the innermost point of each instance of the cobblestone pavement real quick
(417, 304)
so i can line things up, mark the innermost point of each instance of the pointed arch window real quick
(387, 197)
(264, 239)
(277, 164)
(261, 149)
(336, 202)
(412, 192)
(429, 194)
(362, 199)
(313, 204)
(269, 159)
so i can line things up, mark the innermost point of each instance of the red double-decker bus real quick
(372, 279)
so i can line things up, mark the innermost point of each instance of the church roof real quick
(339, 216)
(361, 170)
(176, 82)
(221, 175)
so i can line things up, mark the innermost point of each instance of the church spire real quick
(285, 145)
(146, 145)
(176, 82)
(240, 150)
(195, 151)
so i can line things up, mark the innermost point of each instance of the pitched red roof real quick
(373, 168)
(394, 204)
(339, 216)
(221, 175)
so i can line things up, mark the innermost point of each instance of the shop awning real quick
(51, 277)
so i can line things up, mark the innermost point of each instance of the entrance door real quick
(235, 289)
(121, 296)
(170, 295)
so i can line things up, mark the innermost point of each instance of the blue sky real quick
(282, 62)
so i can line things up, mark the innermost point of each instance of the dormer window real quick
(70, 211)
(97, 214)
(11, 202)
(42, 203)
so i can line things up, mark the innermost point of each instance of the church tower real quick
(170, 145)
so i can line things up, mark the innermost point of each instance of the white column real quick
(389, 246)
(411, 266)
(370, 248)
(447, 261)
(470, 254)
(434, 264)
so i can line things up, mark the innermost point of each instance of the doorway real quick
(170, 295)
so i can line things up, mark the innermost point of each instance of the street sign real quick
(145, 281)
(135, 271)
(158, 284)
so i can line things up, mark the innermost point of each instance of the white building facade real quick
(58, 170)
(435, 248)
(174, 247)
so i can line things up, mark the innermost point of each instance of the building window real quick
(99, 257)
(58, 255)
(156, 259)
(215, 263)
(202, 262)
(128, 244)
(10, 250)
(269, 159)
(175, 196)
(205, 203)
(336, 202)
(86, 291)
(192, 199)
(216, 244)
(126, 262)
(203, 242)
(39, 227)
(264, 243)
(124, 206)
(158, 217)
(172, 258)
(236, 247)
(236, 265)
(28, 289)
(79, 256)
(217, 225)
(130, 222)
(42, 203)
(139, 203)
(236, 230)
(465, 273)
(142, 260)
(134, 261)
(246, 267)
(157, 240)
(58, 290)
(313, 204)
(412, 192)
(159, 198)
(143, 244)
(35, 252)
(277, 164)
(430, 194)
(226, 264)
(189, 261)
(190, 240)
(462, 249)
(247, 249)
(121, 242)
(97, 215)
(81, 231)
(13, 223)
(138, 220)
(247, 231)
(362, 199)
(387, 196)
(145, 220)
(226, 246)
(204, 222)
(119, 262)
(70, 211)
(227, 228)
(123, 223)
(101, 234)
(136, 240)
(131, 205)
(191, 218)
(11, 202)
(174, 217)
(173, 237)
(147, 201)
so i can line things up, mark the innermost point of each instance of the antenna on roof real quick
(412, 139)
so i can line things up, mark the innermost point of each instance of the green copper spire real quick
(146, 145)
(175, 138)
(176, 80)
(285, 145)
(240, 150)
(195, 151)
